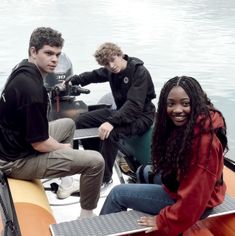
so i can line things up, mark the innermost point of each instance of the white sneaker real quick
(86, 215)
(63, 192)
(106, 184)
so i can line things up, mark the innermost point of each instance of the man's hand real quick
(50, 145)
(74, 78)
(148, 221)
(104, 130)
(67, 82)
(65, 145)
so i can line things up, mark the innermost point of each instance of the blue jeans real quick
(148, 198)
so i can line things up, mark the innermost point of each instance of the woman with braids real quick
(188, 146)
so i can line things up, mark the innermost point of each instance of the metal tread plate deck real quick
(85, 133)
(121, 223)
(227, 207)
(112, 224)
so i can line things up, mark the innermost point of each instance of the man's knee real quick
(114, 135)
(71, 123)
(96, 159)
(66, 122)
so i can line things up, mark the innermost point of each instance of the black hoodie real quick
(132, 89)
(23, 112)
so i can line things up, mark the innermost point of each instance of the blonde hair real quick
(106, 52)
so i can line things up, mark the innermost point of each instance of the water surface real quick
(183, 37)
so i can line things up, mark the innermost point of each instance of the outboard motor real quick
(63, 70)
(63, 101)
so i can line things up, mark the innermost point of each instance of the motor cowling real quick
(63, 70)
(63, 102)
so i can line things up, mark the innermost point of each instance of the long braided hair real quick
(171, 145)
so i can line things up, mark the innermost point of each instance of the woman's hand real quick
(148, 221)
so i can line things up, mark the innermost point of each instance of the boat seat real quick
(26, 207)
(137, 149)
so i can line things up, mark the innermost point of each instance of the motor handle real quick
(76, 90)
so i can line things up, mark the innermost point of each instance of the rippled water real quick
(189, 37)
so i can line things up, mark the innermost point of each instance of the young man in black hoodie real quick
(30, 147)
(132, 90)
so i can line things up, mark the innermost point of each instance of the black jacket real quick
(132, 89)
(23, 112)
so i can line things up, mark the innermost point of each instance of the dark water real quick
(183, 37)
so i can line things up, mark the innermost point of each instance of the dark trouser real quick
(109, 147)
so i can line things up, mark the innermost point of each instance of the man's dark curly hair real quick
(45, 36)
(171, 145)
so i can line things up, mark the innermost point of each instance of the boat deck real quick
(69, 209)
